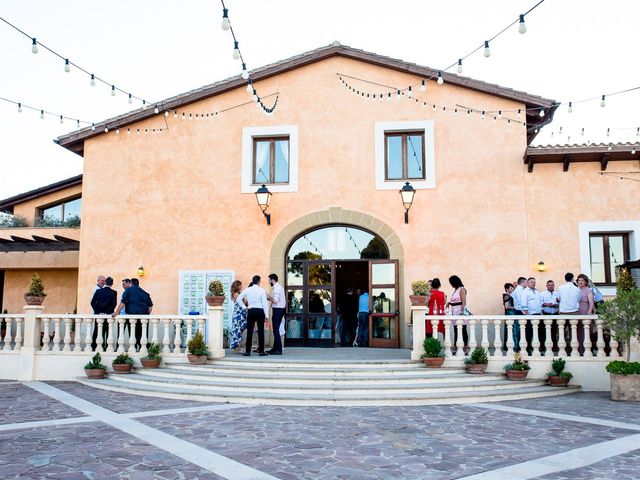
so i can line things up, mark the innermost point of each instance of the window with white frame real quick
(270, 157)
(404, 151)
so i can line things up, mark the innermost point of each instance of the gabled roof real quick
(74, 141)
(595, 152)
(7, 204)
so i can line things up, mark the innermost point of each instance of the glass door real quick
(384, 321)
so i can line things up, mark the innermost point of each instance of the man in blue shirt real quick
(135, 301)
(363, 318)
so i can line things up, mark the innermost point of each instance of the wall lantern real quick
(541, 267)
(263, 196)
(140, 271)
(407, 192)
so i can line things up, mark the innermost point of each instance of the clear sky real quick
(573, 49)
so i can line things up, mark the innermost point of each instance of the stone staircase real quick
(352, 383)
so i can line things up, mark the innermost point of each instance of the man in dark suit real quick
(104, 301)
(135, 301)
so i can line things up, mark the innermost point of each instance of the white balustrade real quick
(56, 335)
(614, 345)
(120, 348)
(535, 342)
(471, 329)
(67, 334)
(154, 330)
(7, 333)
(600, 340)
(188, 323)
(588, 345)
(548, 342)
(484, 341)
(447, 338)
(46, 328)
(177, 337)
(562, 339)
(574, 338)
(100, 322)
(144, 338)
(165, 335)
(497, 338)
(77, 340)
(88, 325)
(111, 323)
(18, 338)
(510, 340)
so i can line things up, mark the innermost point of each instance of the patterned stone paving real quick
(435, 442)
(347, 443)
(89, 452)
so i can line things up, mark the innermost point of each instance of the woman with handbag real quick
(458, 306)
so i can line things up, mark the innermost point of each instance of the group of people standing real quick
(457, 305)
(251, 310)
(134, 301)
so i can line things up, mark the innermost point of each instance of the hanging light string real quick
(313, 245)
(582, 132)
(21, 106)
(621, 175)
(186, 115)
(237, 55)
(346, 229)
(93, 78)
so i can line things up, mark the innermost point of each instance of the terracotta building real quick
(175, 194)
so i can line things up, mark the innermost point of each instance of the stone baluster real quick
(46, 329)
(509, 342)
(56, 335)
(574, 338)
(548, 344)
(131, 341)
(144, 338)
(586, 329)
(67, 334)
(189, 322)
(88, 325)
(471, 329)
(120, 348)
(7, 334)
(535, 341)
(100, 322)
(165, 335)
(497, 338)
(458, 340)
(154, 329)
(201, 322)
(434, 329)
(447, 338)
(600, 340)
(562, 341)
(177, 337)
(484, 341)
(111, 322)
(614, 345)
(78, 334)
(18, 338)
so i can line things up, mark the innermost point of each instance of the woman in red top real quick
(436, 305)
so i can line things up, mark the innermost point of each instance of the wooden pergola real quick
(568, 154)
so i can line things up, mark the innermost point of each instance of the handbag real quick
(466, 312)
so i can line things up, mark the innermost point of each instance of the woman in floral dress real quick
(239, 318)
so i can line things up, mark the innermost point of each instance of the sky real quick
(573, 49)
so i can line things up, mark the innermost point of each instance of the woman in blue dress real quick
(239, 317)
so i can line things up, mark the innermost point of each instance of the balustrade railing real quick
(126, 333)
(532, 335)
(11, 332)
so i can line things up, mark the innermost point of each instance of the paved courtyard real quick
(64, 430)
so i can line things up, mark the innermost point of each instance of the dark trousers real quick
(363, 329)
(105, 334)
(278, 313)
(137, 330)
(465, 337)
(255, 316)
(348, 333)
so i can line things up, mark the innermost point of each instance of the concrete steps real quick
(323, 383)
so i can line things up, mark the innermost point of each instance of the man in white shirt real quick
(257, 312)
(549, 299)
(100, 283)
(278, 304)
(568, 296)
(532, 305)
(517, 295)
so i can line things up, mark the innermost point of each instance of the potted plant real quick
(95, 369)
(432, 355)
(215, 295)
(478, 361)
(152, 360)
(35, 295)
(622, 316)
(518, 369)
(557, 376)
(421, 290)
(122, 363)
(197, 349)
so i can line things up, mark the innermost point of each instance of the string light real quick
(440, 79)
(236, 51)
(67, 68)
(113, 90)
(225, 20)
(245, 74)
(603, 102)
(459, 68)
(34, 46)
(130, 100)
(92, 82)
(522, 27)
(61, 120)
(19, 107)
(487, 51)
(42, 114)
(423, 85)
(570, 109)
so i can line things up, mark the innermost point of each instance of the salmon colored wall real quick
(28, 209)
(172, 201)
(59, 285)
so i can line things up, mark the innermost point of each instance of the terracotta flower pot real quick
(121, 367)
(477, 368)
(517, 374)
(215, 300)
(150, 363)
(433, 362)
(558, 381)
(197, 359)
(33, 300)
(94, 373)
(419, 300)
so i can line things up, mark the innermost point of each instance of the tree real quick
(622, 316)
(376, 248)
(626, 283)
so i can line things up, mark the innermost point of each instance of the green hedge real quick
(624, 368)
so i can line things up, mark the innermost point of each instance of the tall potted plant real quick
(421, 290)
(152, 360)
(518, 369)
(557, 376)
(198, 351)
(432, 355)
(35, 295)
(95, 369)
(477, 361)
(215, 294)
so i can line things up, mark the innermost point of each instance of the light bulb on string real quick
(130, 99)
(34, 46)
(541, 112)
(67, 67)
(423, 85)
(244, 74)
(570, 109)
(459, 68)
(519, 114)
(440, 79)
(144, 104)
(92, 82)
(409, 92)
(117, 131)
(389, 97)
(225, 19)
(603, 102)
(633, 151)
(78, 123)
(93, 127)
(522, 27)
(175, 114)
(249, 86)
(106, 130)
(398, 95)
(487, 51)
(61, 120)
(42, 114)
(19, 107)
(166, 113)
(254, 96)
(128, 131)
(608, 132)
(236, 51)
(482, 115)
(113, 90)
(155, 110)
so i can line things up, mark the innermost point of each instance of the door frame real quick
(392, 316)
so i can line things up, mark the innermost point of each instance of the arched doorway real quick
(327, 268)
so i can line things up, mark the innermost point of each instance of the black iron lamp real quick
(263, 196)
(407, 192)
